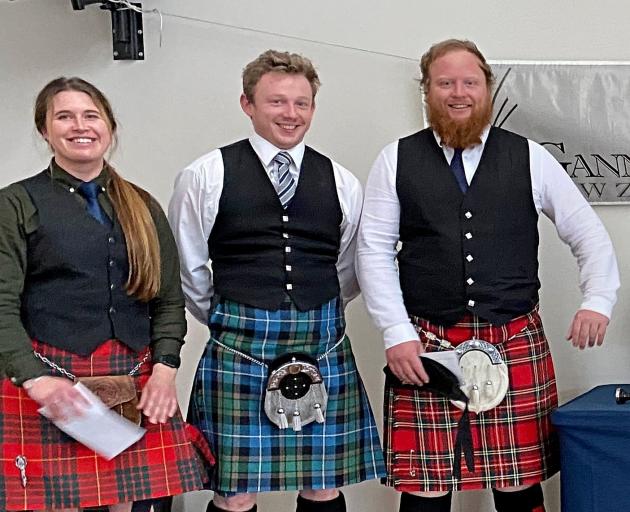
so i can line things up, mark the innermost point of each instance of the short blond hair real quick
(273, 61)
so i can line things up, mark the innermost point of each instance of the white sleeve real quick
(376, 251)
(192, 211)
(578, 226)
(350, 198)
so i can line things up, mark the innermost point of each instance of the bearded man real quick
(463, 199)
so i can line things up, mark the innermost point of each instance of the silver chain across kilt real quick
(294, 389)
(73, 377)
(262, 363)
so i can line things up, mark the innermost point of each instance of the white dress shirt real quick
(194, 207)
(554, 194)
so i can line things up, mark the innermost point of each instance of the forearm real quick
(382, 295)
(168, 321)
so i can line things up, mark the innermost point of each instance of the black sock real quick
(213, 508)
(413, 503)
(337, 504)
(158, 504)
(527, 500)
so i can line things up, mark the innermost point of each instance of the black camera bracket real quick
(127, 31)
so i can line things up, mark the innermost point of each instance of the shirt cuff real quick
(25, 367)
(166, 347)
(399, 333)
(599, 305)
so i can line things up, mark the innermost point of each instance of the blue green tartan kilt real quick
(227, 403)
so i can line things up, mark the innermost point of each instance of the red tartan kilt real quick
(514, 443)
(62, 473)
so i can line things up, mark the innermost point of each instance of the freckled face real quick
(282, 108)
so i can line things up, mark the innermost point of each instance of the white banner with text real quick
(580, 112)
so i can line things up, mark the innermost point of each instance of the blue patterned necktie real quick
(457, 166)
(90, 191)
(285, 184)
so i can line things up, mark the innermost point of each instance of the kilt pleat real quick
(253, 454)
(63, 473)
(514, 443)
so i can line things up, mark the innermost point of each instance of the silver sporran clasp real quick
(485, 375)
(295, 392)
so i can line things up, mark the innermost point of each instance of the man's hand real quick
(587, 328)
(404, 362)
(58, 395)
(159, 397)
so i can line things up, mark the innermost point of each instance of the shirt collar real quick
(60, 174)
(266, 151)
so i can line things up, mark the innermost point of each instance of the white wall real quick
(183, 101)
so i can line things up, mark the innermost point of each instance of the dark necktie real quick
(90, 191)
(457, 166)
(285, 184)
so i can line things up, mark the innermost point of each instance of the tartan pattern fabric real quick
(62, 473)
(253, 454)
(514, 443)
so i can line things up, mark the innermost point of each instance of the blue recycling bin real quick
(594, 434)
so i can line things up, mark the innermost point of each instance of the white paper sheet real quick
(449, 359)
(99, 428)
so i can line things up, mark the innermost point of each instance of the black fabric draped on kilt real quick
(62, 473)
(514, 443)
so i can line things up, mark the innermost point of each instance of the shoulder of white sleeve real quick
(344, 177)
(382, 174)
(349, 189)
(534, 146)
(387, 159)
(541, 156)
(389, 153)
(549, 177)
(206, 169)
(391, 150)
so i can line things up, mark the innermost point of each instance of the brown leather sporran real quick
(118, 392)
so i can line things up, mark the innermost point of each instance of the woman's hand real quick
(159, 397)
(58, 394)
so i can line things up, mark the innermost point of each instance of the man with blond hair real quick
(463, 199)
(278, 222)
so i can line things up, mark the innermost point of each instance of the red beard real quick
(458, 134)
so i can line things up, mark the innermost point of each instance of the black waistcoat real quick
(260, 251)
(74, 296)
(475, 252)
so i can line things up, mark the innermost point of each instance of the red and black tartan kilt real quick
(62, 473)
(514, 443)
